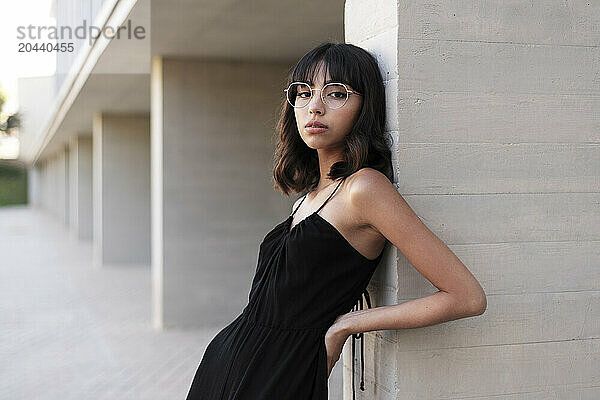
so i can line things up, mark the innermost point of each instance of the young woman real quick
(314, 266)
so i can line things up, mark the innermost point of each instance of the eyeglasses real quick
(334, 95)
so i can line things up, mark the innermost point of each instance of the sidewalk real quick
(69, 331)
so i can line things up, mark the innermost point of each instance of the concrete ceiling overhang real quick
(258, 30)
(241, 30)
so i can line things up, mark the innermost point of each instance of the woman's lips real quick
(315, 129)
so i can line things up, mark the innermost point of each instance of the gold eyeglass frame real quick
(287, 97)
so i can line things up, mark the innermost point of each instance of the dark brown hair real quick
(296, 166)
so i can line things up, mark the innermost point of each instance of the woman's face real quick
(338, 121)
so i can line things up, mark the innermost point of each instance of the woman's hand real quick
(335, 337)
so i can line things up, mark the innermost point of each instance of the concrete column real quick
(34, 185)
(373, 25)
(121, 189)
(63, 180)
(493, 110)
(80, 186)
(212, 195)
(44, 183)
(55, 185)
(49, 185)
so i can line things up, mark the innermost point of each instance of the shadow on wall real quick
(13, 182)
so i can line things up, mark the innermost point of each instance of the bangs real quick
(340, 68)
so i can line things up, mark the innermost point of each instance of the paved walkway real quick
(70, 331)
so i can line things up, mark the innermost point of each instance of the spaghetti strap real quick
(327, 199)
(319, 209)
(298, 206)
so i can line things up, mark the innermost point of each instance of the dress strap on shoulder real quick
(298, 206)
(327, 199)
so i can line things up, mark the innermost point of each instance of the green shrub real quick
(13, 183)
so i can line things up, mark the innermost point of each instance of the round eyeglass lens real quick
(298, 94)
(335, 95)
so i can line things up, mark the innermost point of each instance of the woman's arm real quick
(376, 202)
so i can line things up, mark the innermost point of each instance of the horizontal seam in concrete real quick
(500, 42)
(507, 143)
(500, 344)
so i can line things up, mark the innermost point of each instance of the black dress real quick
(275, 349)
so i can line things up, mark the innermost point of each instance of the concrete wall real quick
(494, 114)
(80, 186)
(54, 185)
(34, 185)
(43, 165)
(63, 185)
(49, 187)
(213, 199)
(121, 189)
